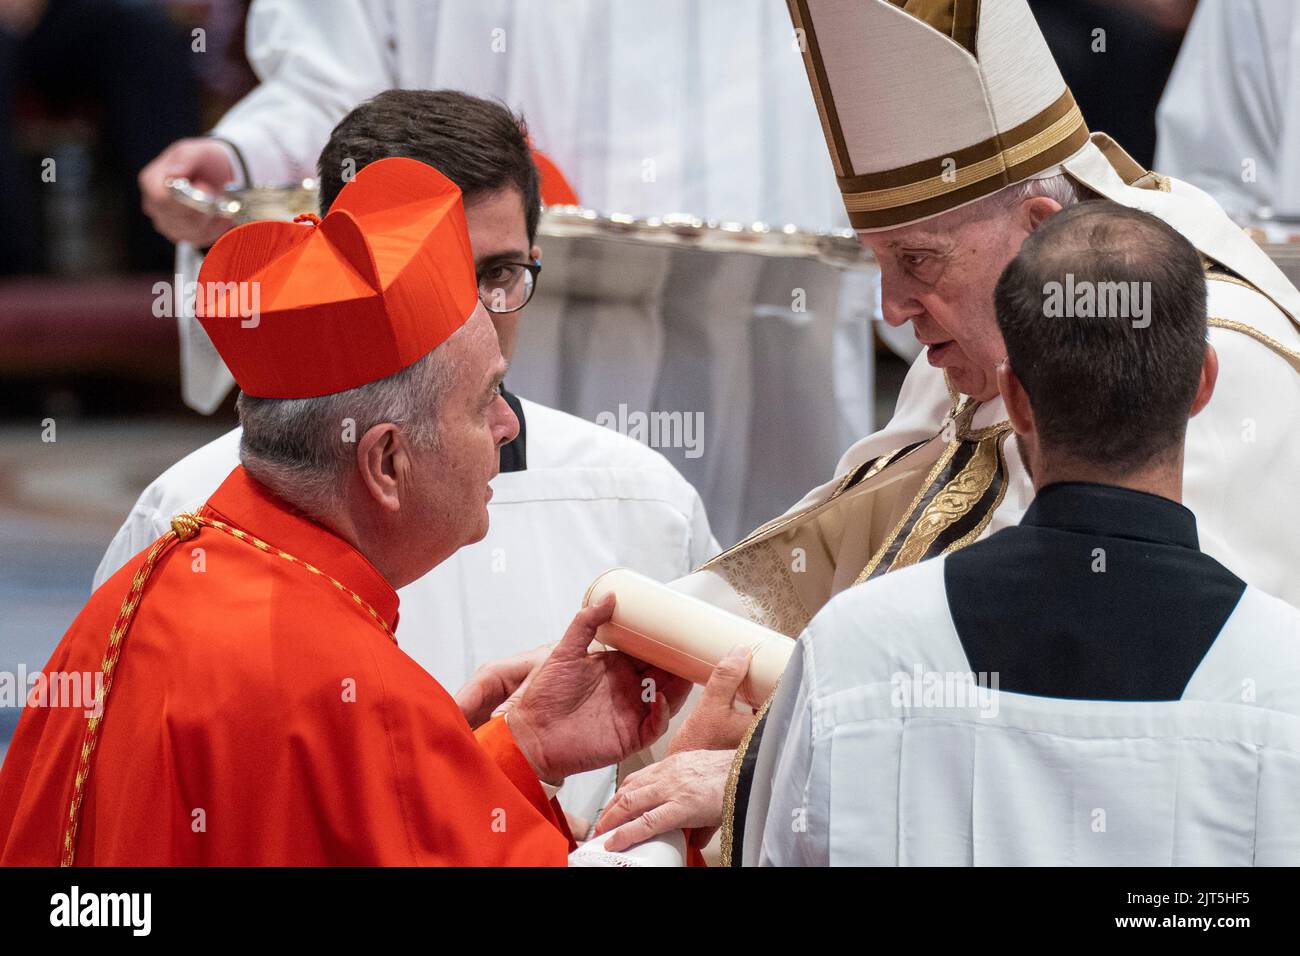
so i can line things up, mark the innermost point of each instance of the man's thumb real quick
(727, 677)
(582, 631)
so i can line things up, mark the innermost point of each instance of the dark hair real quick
(478, 144)
(1111, 389)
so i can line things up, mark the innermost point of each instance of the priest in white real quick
(954, 138)
(1086, 688)
(573, 498)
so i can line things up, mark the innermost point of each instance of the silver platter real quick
(838, 248)
(678, 230)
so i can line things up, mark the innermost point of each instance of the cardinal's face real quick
(940, 276)
(474, 421)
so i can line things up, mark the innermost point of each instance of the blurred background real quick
(90, 401)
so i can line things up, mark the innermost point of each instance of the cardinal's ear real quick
(384, 465)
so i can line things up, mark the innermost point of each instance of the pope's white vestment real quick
(590, 499)
(857, 768)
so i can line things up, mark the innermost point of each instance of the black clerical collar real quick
(514, 456)
(1108, 510)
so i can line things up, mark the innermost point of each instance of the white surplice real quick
(850, 772)
(1229, 118)
(589, 500)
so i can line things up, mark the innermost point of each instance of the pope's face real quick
(498, 234)
(940, 275)
(474, 421)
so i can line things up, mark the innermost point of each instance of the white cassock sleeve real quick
(786, 821)
(1229, 120)
(316, 61)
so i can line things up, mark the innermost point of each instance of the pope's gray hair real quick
(303, 448)
(1059, 187)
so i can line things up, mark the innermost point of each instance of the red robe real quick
(259, 715)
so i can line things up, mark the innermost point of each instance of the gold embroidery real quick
(762, 582)
(970, 536)
(1290, 354)
(1217, 272)
(1229, 277)
(951, 504)
(880, 464)
(733, 780)
(780, 522)
(930, 479)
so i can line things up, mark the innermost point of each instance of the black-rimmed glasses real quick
(506, 287)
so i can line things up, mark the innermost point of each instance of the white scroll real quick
(684, 635)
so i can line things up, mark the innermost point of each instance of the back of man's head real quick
(478, 144)
(1103, 316)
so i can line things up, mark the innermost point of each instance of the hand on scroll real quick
(585, 709)
(715, 723)
(682, 791)
(685, 789)
(496, 686)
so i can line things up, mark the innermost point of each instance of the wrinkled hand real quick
(205, 163)
(587, 709)
(715, 724)
(496, 686)
(682, 791)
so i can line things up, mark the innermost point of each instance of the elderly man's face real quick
(474, 421)
(940, 275)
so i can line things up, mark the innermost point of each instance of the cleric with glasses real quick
(505, 287)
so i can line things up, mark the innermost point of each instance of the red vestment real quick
(260, 715)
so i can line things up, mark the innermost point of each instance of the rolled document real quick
(684, 635)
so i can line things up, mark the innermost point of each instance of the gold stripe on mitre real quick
(920, 190)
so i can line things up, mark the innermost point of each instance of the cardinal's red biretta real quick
(255, 707)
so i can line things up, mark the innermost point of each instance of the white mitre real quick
(929, 105)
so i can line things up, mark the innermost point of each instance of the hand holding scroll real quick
(585, 709)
